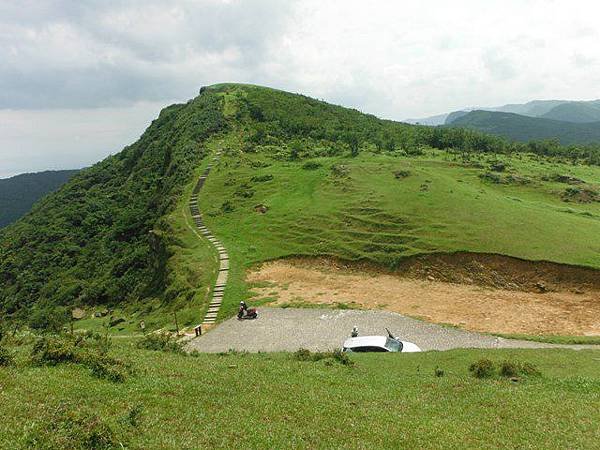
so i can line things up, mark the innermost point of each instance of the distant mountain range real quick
(524, 128)
(19, 193)
(571, 122)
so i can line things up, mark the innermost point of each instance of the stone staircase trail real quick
(221, 282)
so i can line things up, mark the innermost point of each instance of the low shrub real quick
(48, 319)
(134, 415)
(302, 354)
(580, 195)
(227, 207)
(498, 166)
(491, 177)
(340, 170)
(563, 179)
(414, 151)
(106, 367)
(6, 357)
(311, 165)
(87, 349)
(163, 342)
(261, 178)
(511, 369)
(496, 178)
(342, 358)
(439, 372)
(529, 369)
(337, 355)
(244, 191)
(400, 174)
(52, 350)
(483, 368)
(259, 164)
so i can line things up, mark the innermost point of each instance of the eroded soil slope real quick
(487, 293)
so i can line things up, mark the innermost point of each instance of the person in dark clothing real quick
(243, 309)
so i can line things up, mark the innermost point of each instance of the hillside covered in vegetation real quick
(524, 128)
(297, 177)
(19, 193)
(579, 112)
(565, 110)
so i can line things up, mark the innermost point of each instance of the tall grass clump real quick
(486, 368)
(303, 354)
(512, 369)
(483, 368)
(87, 349)
(163, 342)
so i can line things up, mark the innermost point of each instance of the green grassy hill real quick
(19, 193)
(523, 128)
(334, 181)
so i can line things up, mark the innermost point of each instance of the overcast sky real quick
(81, 79)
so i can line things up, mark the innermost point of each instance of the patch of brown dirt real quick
(487, 293)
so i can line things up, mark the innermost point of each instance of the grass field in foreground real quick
(274, 401)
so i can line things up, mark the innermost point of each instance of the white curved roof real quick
(365, 341)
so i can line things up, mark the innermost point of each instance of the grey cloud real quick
(88, 54)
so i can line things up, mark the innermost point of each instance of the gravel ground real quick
(279, 329)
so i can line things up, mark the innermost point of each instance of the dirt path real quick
(469, 306)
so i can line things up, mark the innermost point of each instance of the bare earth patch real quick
(470, 306)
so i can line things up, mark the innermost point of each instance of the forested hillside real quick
(110, 237)
(99, 239)
(563, 110)
(19, 193)
(523, 128)
(579, 112)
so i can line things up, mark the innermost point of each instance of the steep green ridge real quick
(19, 193)
(334, 182)
(523, 128)
(100, 238)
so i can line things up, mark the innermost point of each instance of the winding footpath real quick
(221, 283)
